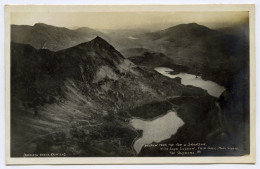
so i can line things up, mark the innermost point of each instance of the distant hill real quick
(176, 33)
(43, 36)
(197, 47)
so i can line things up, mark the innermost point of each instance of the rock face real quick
(97, 59)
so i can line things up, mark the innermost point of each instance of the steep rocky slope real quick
(78, 98)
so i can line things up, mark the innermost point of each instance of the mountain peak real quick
(44, 25)
(83, 29)
(191, 30)
(41, 24)
(176, 33)
(100, 41)
(194, 23)
(190, 26)
(99, 46)
(98, 38)
(96, 43)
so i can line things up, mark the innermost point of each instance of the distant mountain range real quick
(43, 36)
(191, 45)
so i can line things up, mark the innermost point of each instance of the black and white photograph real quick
(118, 82)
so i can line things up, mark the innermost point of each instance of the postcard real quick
(130, 84)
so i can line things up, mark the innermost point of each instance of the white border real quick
(94, 2)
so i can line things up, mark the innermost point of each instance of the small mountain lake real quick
(212, 88)
(157, 130)
(133, 38)
(163, 127)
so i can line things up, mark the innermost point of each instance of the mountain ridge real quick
(44, 36)
(193, 30)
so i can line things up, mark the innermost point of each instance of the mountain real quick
(80, 100)
(214, 54)
(196, 45)
(177, 33)
(43, 36)
(81, 95)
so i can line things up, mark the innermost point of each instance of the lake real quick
(212, 88)
(163, 127)
(157, 130)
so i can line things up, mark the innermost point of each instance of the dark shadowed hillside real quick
(150, 59)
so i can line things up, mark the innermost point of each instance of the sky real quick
(129, 20)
